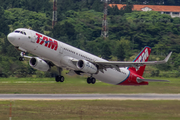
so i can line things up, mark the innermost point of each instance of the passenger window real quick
(21, 32)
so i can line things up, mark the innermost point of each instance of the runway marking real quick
(89, 96)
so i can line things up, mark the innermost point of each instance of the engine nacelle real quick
(87, 67)
(39, 64)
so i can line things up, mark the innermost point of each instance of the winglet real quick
(167, 58)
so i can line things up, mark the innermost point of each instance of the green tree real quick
(176, 61)
(98, 6)
(120, 52)
(66, 29)
(123, 49)
(3, 25)
(171, 2)
(92, 47)
(129, 6)
(105, 51)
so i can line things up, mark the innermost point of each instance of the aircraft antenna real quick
(104, 32)
(54, 19)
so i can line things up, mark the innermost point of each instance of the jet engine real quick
(87, 67)
(39, 64)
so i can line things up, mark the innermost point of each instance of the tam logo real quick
(53, 44)
(143, 57)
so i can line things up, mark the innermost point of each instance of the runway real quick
(89, 96)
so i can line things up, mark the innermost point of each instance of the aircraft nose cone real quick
(10, 37)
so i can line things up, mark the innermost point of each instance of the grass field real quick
(91, 110)
(86, 109)
(79, 85)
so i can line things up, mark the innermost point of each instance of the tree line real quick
(80, 24)
(148, 2)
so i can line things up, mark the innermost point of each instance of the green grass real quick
(86, 109)
(79, 85)
(91, 110)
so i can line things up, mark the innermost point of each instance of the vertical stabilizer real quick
(142, 57)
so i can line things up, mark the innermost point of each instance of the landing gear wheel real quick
(21, 58)
(91, 80)
(59, 78)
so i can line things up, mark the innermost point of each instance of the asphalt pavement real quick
(89, 96)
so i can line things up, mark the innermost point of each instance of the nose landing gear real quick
(22, 56)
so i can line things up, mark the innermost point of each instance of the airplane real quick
(52, 52)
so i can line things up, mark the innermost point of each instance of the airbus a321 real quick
(52, 52)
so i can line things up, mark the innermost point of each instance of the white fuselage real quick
(63, 54)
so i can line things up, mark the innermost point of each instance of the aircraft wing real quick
(117, 64)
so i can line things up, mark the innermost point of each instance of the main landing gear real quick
(59, 78)
(91, 80)
(22, 56)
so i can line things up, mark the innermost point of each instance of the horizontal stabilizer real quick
(151, 80)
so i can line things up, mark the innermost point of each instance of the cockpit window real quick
(17, 31)
(20, 32)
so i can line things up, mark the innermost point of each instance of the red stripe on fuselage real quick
(132, 79)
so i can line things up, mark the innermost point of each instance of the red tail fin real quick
(142, 57)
